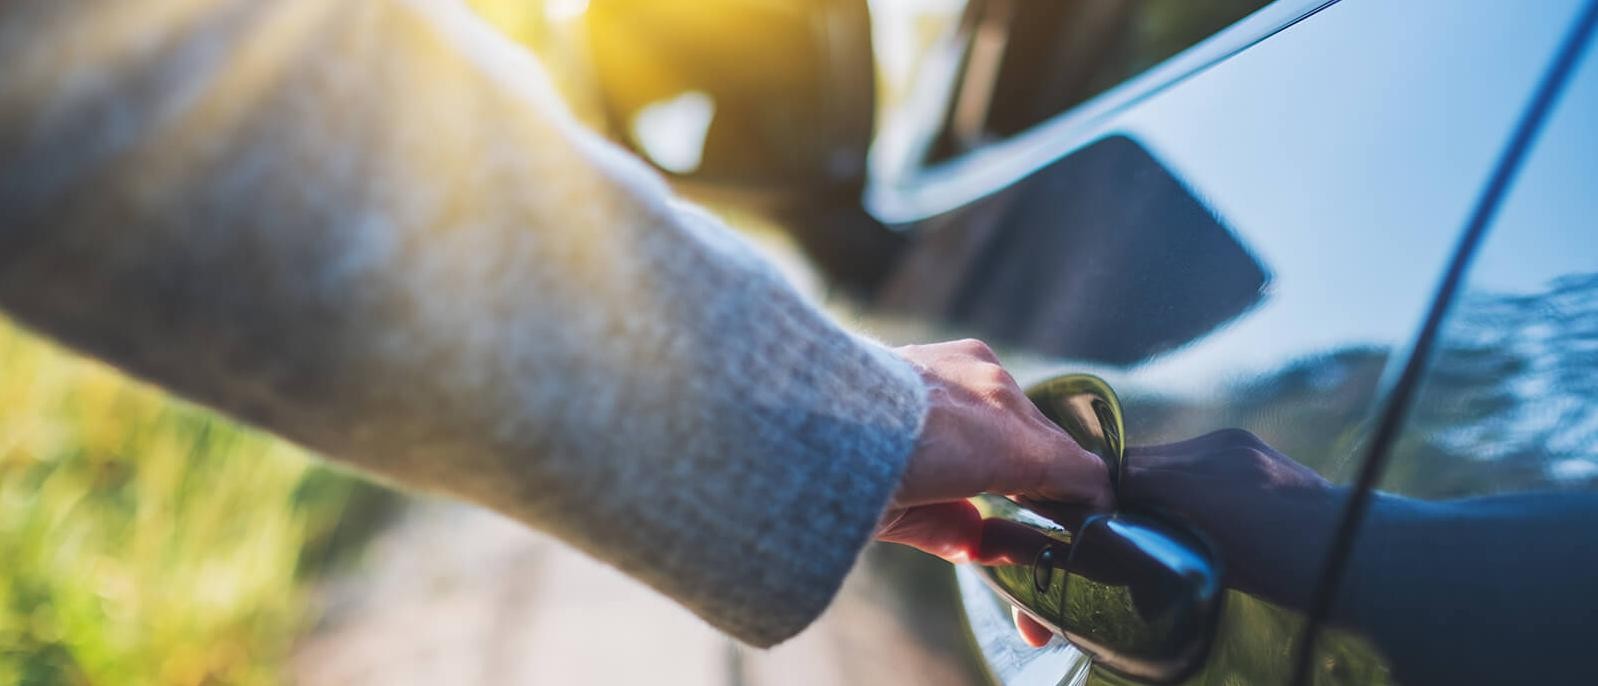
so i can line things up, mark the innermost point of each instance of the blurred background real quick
(144, 540)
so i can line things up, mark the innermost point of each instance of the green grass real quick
(147, 541)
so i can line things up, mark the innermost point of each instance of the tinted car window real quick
(1480, 543)
(1311, 172)
(1028, 60)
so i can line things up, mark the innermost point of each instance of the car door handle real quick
(1137, 594)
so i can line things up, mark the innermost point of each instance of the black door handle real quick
(1137, 594)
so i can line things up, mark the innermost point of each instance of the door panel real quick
(1477, 558)
(1263, 236)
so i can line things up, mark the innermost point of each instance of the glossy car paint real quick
(1343, 154)
(1489, 489)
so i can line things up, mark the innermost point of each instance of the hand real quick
(982, 435)
(1270, 517)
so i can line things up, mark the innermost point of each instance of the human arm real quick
(369, 227)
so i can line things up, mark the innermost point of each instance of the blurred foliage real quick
(1249, 649)
(144, 540)
(147, 541)
(1506, 406)
(522, 20)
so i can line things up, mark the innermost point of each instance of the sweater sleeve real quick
(369, 226)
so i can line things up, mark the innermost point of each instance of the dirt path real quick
(455, 595)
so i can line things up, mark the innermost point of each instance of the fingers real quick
(1008, 543)
(950, 530)
(1048, 465)
(982, 434)
(1032, 632)
(1075, 475)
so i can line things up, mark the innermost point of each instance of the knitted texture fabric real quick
(370, 227)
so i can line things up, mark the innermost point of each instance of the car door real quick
(1474, 559)
(1247, 236)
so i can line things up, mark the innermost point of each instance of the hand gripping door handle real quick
(1138, 595)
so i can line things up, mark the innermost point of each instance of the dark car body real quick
(1366, 233)
(1363, 231)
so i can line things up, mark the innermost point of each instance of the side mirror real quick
(749, 100)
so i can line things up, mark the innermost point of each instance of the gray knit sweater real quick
(367, 225)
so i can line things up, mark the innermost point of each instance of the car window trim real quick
(921, 192)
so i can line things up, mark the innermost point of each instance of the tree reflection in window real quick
(1511, 400)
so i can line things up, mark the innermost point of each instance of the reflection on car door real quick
(1475, 562)
(1334, 175)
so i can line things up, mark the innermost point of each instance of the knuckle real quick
(996, 375)
(977, 349)
(997, 387)
(993, 394)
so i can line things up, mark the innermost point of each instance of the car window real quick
(1480, 538)
(1028, 60)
